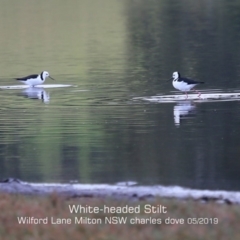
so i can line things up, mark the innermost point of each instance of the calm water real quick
(113, 51)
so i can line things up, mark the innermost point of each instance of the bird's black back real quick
(27, 77)
(188, 81)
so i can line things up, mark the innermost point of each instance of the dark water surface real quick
(112, 52)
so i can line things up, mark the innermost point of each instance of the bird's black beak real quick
(169, 79)
(51, 78)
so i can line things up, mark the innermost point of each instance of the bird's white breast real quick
(182, 86)
(34, 81)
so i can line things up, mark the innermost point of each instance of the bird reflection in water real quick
(36, 93)
(183, 110)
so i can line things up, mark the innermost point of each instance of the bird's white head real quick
(45, 75)
(175, 75)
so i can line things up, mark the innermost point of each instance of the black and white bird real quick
(35, 79)
(184, 84)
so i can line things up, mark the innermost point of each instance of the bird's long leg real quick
(186, 95)
(199, 94)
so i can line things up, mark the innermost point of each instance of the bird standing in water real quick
(184, 84)
(35, 79)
